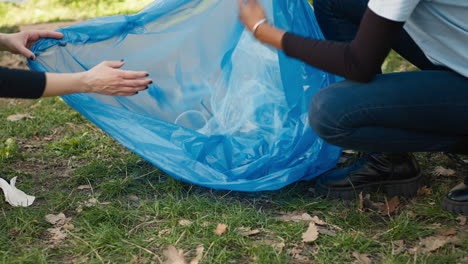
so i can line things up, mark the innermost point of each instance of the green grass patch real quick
(132, 208)
(40, 11)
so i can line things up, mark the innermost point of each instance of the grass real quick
(139, 207)
(39, 11)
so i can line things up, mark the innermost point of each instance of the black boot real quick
(456, 200)
(397, 174)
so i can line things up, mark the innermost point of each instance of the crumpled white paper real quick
(13, 195)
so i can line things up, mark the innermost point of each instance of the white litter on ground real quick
(15, 196)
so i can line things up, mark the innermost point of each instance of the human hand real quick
(21, 42)
(106, 78)
(250, 12)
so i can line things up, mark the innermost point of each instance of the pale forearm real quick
(63, 84)
(270, 35)
(3, 39)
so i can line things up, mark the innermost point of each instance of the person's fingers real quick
(49, 34)
(132, 74)
(113, 64)
(126, 93)
(26, 52)
(136, 83)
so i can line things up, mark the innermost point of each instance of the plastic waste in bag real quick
(224, 111)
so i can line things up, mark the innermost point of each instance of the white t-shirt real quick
(439, 27)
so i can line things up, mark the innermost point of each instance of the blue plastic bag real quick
(224, 111)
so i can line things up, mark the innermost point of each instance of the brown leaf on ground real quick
(174, 256)
(386, 208)
(246, 231)
(61, 224)
(318, 221)
(19, 117)
(361, 258)
(221, 229)
(164, 232)
(277, 245)
(185, 222)
(326, 231)
(297, 216)
(79, 209)
(424, 190)
(199, 255)
(434, 226)
(58, 219)
(448, 232)
(400, 247)
(84, 187)
(391, 206)
(311, 234)
(441, 171)
(430, 244)
(91, 202)
(461, 220)
(56, 234)
(297, 253)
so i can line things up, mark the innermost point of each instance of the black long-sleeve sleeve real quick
(21, 83)
(358, 60)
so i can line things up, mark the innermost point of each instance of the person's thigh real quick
(412, 108)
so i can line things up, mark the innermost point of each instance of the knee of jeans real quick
(324, 116)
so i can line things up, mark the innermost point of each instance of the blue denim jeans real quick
(424, 110)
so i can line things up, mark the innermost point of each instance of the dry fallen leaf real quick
(57, 234)
(58, 220)
(221, 229)
(19, 117)
(173, 256)
(299, 216)
(461, 220)
(91, 202)
(361, 258)
(246, 231)
(430, 244)
(318, 221)
(61, 224)
(83, 187)
(434, 226)
(400, 244)
(185, 222)
(386, 208)
(311, 234)
(295, 216)
(441, 171)
(424, 190)
(279, 246)
(199, 255)
(79, 209)
(326, 231)
(164, 232)
(449, 232)
(390, 206)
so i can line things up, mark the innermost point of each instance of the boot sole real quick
(455, 207)
(402, 188)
